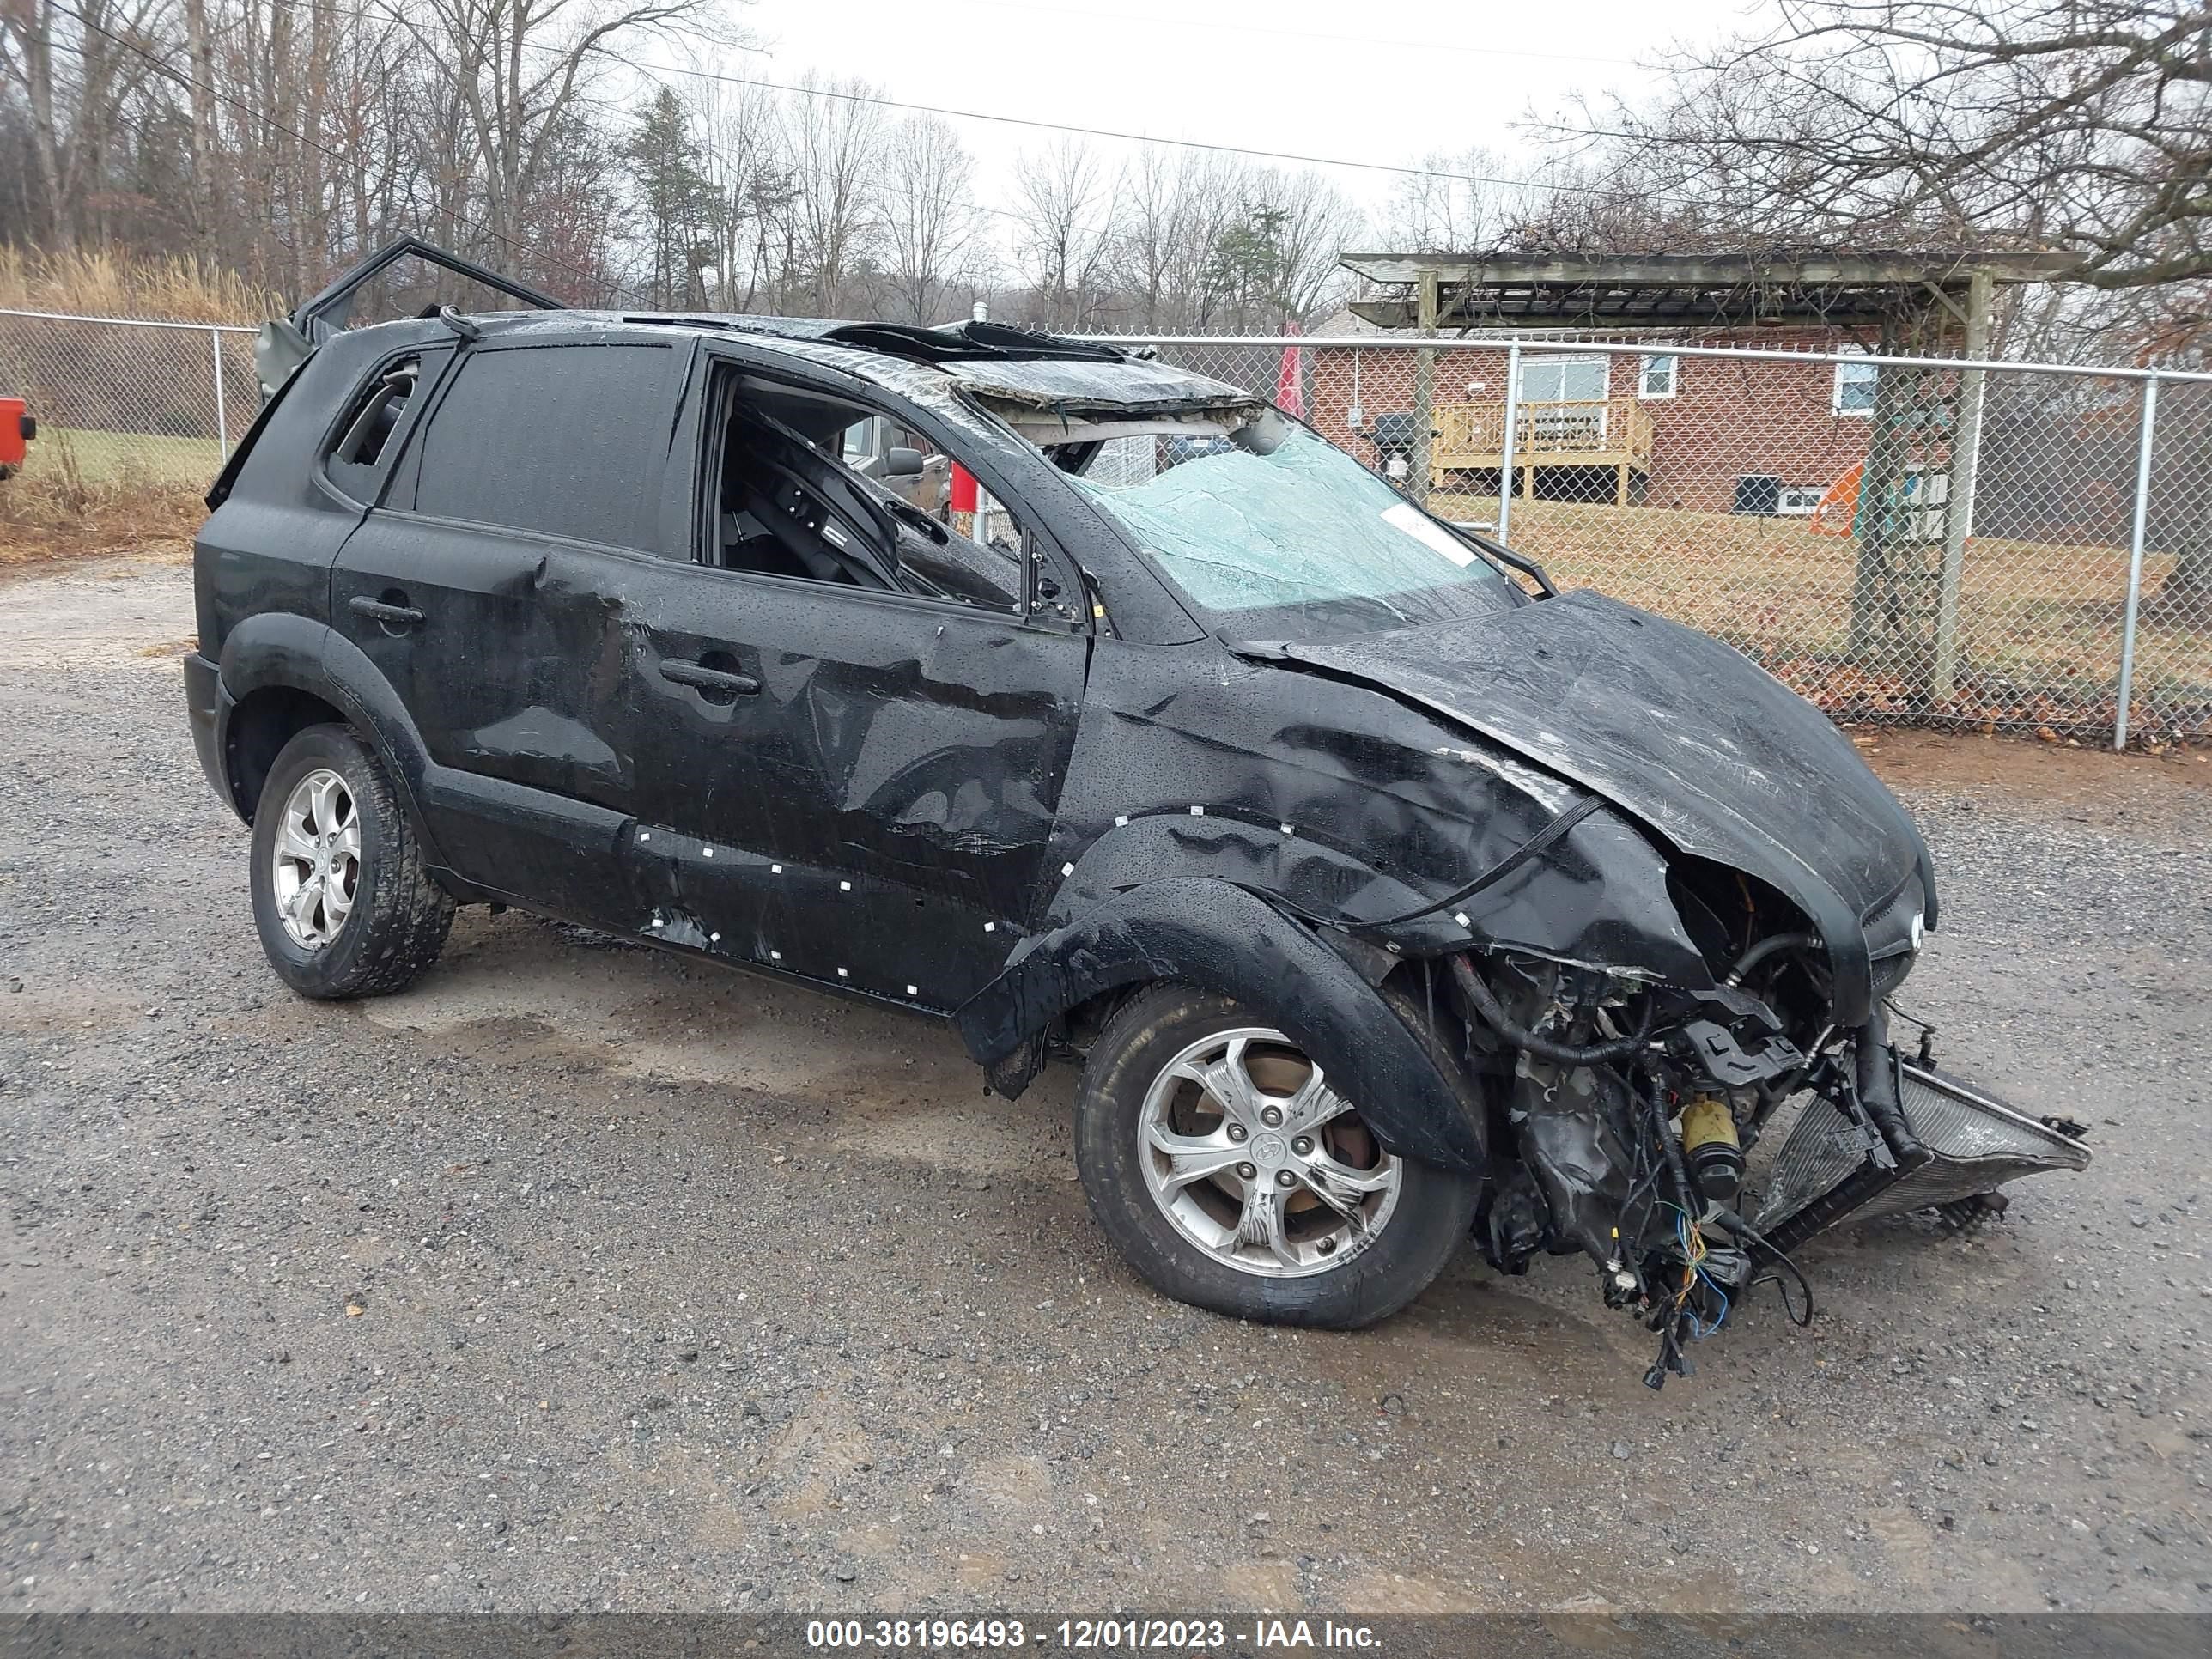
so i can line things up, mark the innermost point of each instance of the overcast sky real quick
(1327, 77)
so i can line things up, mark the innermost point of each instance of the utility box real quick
(1757, 495)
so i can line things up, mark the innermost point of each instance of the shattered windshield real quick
(1299, 542)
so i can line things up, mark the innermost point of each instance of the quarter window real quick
(365, 438)
(568, 440)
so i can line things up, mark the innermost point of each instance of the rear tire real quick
(342, 898)
(1302, 1219)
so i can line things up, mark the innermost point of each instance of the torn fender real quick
(1219, 938)
(1681, 731)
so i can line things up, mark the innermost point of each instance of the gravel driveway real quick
(579, 1276)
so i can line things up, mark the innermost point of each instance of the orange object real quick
(1833, 513)
(16, 429)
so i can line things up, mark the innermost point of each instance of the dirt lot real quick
(580, 1276)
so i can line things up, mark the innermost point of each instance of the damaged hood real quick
(1683, 732)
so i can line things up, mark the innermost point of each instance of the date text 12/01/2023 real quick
(1087, 1635)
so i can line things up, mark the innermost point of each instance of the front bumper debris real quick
(1833, 1167)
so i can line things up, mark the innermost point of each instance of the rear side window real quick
(566, 441)
(367, 438)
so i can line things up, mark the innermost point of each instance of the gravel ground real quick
(581, 1277)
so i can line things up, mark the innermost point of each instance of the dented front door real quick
(852, 787)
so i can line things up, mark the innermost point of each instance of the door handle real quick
(701, 677)
(395, 615)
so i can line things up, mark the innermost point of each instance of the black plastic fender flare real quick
(283, 649)
(1222, 937)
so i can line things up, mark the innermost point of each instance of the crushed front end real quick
(1678, 937)
(1630, 1107)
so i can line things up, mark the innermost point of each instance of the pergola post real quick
(1958, 505)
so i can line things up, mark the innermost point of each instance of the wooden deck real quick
(1615, 432)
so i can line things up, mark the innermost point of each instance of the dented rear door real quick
(486, 590)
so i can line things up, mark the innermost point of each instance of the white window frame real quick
(1861, 370)
(1645, 364)
(1601, 361)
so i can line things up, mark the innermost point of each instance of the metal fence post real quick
(2135, 557)
(221, 413)
(1506, 449)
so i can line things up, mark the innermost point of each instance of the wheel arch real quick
(280, 673)
(1220, 937)
(261, 723)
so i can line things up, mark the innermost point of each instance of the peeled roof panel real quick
(1129, 387)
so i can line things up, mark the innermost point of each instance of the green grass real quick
(117, 457)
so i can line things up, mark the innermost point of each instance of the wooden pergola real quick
(1897, 291)
(1913, 305)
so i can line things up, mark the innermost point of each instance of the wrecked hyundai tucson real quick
(1384, 893)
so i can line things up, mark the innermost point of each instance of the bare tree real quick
(518, 68)
(75, 68)
(929, 216)
(2081, 125)
(1064, 205)
(1449, 206)
(1317, 225)
(749, 180)
(1146, 252)
(836, 143)
(1172, 212)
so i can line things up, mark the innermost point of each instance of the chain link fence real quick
(2010, 547)
(125, 404)
(2007, 547)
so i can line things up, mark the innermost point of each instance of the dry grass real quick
(130, 460)
(2039, 626)
(84, 492)
(55, 509)
(178, 289)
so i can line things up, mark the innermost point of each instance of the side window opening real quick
(812, 487)
(364, 440)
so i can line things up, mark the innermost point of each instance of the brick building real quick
(1637, 423)
(1605, 411)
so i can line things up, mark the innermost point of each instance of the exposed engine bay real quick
(1633, 1108)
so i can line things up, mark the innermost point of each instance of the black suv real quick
(1386, 892)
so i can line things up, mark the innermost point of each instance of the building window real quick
(1547, 379)
(1854, 393)
(1659, 377)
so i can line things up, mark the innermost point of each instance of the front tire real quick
(342, 898)
(1230, 1175)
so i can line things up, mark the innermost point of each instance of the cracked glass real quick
(1300, 542)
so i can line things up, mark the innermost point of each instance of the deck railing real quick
(1594, 431)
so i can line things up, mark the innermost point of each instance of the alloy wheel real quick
(1253, 1157)
(317, 860)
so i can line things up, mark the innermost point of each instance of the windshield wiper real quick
(1504, 555)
